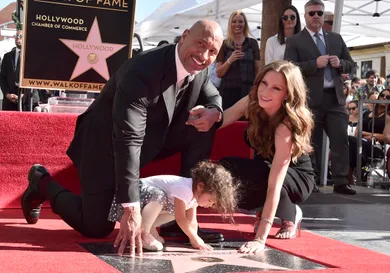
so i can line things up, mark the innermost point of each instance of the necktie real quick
(17, 64)
(17, 67)
(183, 83)
(322, 49)
(182, 89)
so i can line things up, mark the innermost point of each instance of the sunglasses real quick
(385, 96)
(355, 87)
(313, 12)
(292, 17)
(352, 109)
(18, 36)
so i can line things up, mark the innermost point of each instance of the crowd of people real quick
(162, 102)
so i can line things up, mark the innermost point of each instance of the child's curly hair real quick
(219, 182)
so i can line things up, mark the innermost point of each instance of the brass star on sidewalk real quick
(93, 53)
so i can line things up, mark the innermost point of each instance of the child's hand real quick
(198, 243)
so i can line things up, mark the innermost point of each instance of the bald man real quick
(142, 114)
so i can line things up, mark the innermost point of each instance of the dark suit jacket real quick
(8, 78)
(134, 110)
(302, 50)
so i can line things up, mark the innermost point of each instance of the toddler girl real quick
(165, 198)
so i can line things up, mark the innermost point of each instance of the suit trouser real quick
(333, 119)
(88, 212)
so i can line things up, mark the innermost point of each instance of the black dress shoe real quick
(209, 236)
(344, 189)
(32, 199)
(174, 231)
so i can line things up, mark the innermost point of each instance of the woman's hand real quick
(254, 247)
(236, 55)
(198, 243)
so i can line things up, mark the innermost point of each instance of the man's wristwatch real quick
(220, 117)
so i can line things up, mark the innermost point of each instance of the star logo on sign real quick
(93, 53)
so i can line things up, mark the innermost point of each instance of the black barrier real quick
(75, 44)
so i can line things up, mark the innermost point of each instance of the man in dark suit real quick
(142, 114)
(323, 57)
(9, 75)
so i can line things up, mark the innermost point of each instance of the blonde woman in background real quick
(238, 61)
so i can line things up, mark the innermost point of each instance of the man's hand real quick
(322, 61)
(12, 97)
(130, 230)
(202, 118)
(334, 61)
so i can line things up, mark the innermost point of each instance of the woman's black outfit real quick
(254, 173)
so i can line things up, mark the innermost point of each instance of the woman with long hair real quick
(289, 24)
(238, 60)
(280, 175)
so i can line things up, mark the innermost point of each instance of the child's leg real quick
(163, 218)
(150, 214)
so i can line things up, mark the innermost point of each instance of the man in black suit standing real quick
(323, 57)
(142, 114)
(9, 75)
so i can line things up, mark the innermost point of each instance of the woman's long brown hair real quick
(294, 113)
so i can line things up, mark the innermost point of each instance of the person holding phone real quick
(238, 61)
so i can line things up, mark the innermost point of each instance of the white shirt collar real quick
(312, 33)
(181, 72)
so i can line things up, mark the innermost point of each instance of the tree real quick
(270, 20)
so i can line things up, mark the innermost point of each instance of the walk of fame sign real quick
(179, 258)
(75, 44)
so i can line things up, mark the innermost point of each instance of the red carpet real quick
(51, 246)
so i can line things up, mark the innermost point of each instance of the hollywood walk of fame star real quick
(192, 262)
(179, 258)
(93, 53)
(188, 260)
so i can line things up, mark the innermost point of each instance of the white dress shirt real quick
(327, 84)
(274, 51)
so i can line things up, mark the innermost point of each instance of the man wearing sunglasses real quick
(323, 57)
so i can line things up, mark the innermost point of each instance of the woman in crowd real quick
(280, 175)
(372, 133)
(352, 108)
(289, 24)
(369, 107)
(238, 61)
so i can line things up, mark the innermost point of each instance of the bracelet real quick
(268, 221)
(229, 61)
(260, 241)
